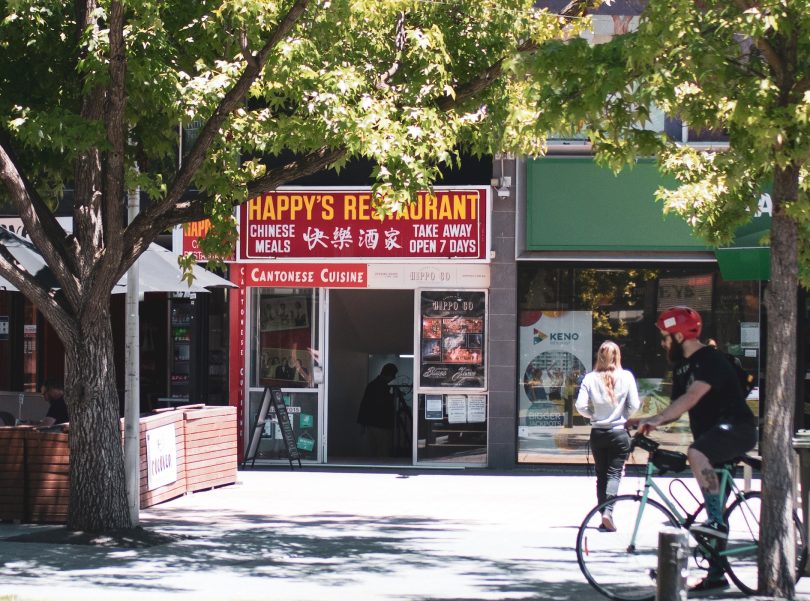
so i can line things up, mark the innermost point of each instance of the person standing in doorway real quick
(377, 410)
(608, 396)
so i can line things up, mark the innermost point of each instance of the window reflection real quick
(566, 312)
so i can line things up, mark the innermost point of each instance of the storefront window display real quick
(565, 312)
(284, 353)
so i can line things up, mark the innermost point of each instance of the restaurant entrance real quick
(367, 330)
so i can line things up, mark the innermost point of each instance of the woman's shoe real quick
(607, 523)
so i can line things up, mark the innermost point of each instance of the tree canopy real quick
(741, 67)
(94, 94)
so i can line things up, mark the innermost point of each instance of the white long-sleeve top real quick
(593, 401)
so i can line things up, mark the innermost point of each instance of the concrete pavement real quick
(335, 535)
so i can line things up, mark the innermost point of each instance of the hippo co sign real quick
(161, 456)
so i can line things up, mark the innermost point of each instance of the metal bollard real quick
(673, 554)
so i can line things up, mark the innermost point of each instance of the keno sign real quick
(161, 456)
(318, 223)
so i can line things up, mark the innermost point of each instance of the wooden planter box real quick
(12, 480)
(47, 458)
(35, 466)
(211, 447)
(172, 489)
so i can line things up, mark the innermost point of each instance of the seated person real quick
(58, 411)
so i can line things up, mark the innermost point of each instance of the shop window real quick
(566, 312)
(284, 337)
(284, 354)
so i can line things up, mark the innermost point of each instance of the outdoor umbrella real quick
(158, 269)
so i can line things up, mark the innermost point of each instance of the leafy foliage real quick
(715, 65)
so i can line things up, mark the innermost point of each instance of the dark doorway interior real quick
(367, 328)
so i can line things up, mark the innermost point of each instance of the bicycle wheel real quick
(616, 565)
(740, 554)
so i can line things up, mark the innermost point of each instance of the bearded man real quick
(704, 384)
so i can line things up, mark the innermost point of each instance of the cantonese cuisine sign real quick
(452, 339)
(339, 224)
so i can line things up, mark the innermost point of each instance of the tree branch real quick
(399, 42)
(113, 197)
(44, 299)
(227, 105)
(764, 46)
(142, 226)
(41, 225)
(575, 8)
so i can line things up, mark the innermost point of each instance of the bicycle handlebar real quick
(643, 442)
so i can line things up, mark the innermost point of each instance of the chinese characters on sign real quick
(324, 224)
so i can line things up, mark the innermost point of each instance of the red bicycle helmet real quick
(680, 319)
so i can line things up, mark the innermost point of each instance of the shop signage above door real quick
(390, 276)
(321, 224)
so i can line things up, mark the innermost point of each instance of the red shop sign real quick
(337, 224)
(192, 232)
(306, 275)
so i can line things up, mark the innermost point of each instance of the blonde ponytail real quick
(608, 360)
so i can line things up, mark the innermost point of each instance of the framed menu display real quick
(452, 339)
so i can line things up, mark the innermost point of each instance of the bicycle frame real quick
(727, 485)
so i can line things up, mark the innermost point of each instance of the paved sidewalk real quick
(335, 535)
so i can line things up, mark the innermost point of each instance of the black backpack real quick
(746, 379)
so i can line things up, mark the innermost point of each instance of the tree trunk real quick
(98, 498)
(777, 557)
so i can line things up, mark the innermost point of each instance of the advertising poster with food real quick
(555, 353)
(452, 339)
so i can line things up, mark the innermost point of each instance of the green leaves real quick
(715, 66)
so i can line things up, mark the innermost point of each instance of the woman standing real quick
(608, 396)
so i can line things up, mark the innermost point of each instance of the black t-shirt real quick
(377, 406)
(725, 401)
(58, 411)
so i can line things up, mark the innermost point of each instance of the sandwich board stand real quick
(272, 397)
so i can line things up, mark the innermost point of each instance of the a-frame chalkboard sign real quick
(272, 396)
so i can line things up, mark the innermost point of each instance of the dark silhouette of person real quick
(377, 411)
(58, 411)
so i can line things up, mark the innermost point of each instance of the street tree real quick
(741, 67)
(92, 94)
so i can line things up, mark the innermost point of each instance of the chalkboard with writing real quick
(272, 397)
(284, 423)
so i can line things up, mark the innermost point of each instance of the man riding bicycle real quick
(704, 384)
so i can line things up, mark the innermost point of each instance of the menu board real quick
(452, 339)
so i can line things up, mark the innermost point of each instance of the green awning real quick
(744, 263)
(574, 204)
(749, 257)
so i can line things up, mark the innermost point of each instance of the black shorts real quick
(726, 441)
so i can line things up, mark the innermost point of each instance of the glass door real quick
(284, 347)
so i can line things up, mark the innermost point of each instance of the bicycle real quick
(623, 564)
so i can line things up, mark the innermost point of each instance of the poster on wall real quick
(285, 364)
(283, 313)
(555, 353)
(452, 339)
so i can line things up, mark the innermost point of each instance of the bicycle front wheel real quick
(740, 553)
(623, 565)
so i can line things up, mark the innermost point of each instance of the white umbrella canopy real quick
(6, 286)
(158, 269)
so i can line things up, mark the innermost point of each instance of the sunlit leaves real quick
(717, 66)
